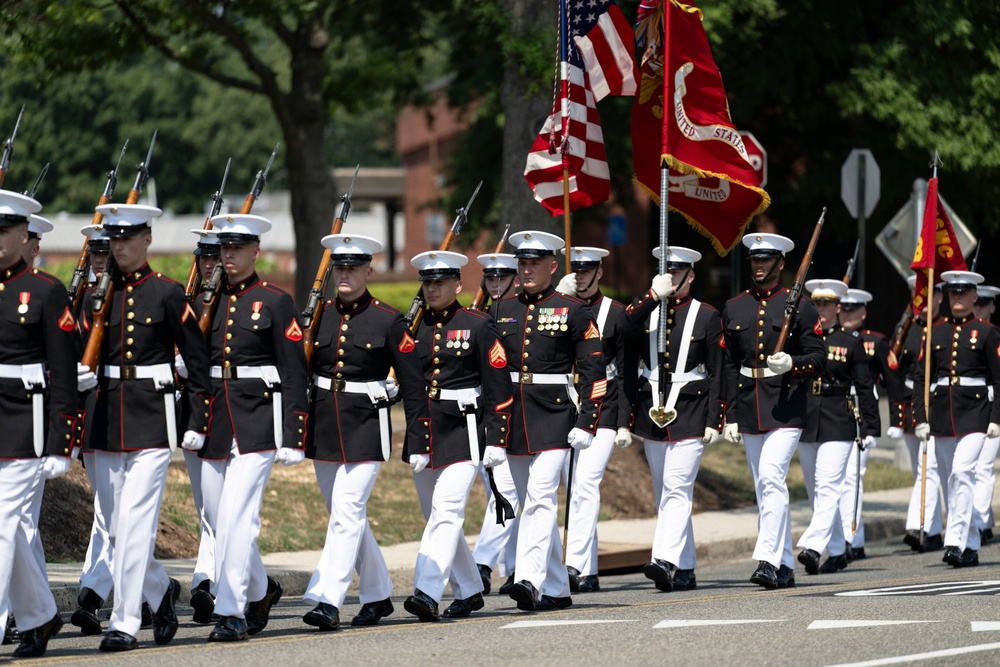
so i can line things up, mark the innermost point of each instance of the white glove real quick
(180, 366)
(193, 441)
(567, 284)
(894, 432)
(391, 388)
(993, 430)
(711, 435)
(55, 466)
(290, 456)
(870, 442)
(74, 454)
(623, 438)
(579, 439)
(922, 431)
(85, 378)
(663, 286)
(732, 433)
(780, 363)
(418, 462)
(494, 456)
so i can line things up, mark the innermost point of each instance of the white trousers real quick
(674, 467)
(97, 564)
(585, 501)
(823, 468)
(496, 547)
(932, 500)
(444, 553)
(350, 544)
(131, 488)
(985, 483)
(24, 587)
(539, 549)
(232, 491)
(204, 567)
(956, 459)
(857, 540)
(769, 455)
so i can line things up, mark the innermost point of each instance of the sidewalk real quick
(720, 536)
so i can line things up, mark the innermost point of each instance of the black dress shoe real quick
(324, 616)
(165, 618)
(525, 595)
(86, 615)
(589, 584)
(684, 580)
(859, 553)
(849, 551)
(505, 588)
(229, 629)
(985, 535)
(116, 641)
(486, 574)
(912, 539)
(10, 632)
(952, 556)
(574, 579)
(786, 577)
(833, 564)
(464, 607)
(372, 612)
(422, 606)
(810, 559)
(970, 558)
(549, 603)
(146, 616)
(765, 575)
(933, 542)
(259, 612)
(34, 641)
(661, 572)
(203, 603)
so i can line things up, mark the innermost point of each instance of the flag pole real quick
(661, 331)
(927, 376)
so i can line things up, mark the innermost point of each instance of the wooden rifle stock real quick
(902, 329)
(792, 305)
(193, 284)
(479, 302)
(313, 312)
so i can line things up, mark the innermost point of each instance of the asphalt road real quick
(932, 614)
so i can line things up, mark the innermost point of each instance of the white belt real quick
(162, 376)
(33, 377)
(567, 379)
(270, 376)
(466, 398)
(960, 381)
(376, 392)
(699, 373)
(757, 373)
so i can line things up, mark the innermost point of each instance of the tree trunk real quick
(524, 116)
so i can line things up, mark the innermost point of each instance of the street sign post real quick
(859, 188)
(758, 156)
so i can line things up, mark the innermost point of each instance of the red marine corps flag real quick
(937, 247)
(684, 105)
(596, 59)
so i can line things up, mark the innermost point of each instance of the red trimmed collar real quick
(445, 314)
(535, 298)
(355, 306)
(243, 285)
(14, 271)
(766, 294)
(134, 277)
(679, 301)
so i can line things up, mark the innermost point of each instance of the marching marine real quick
(984, 308)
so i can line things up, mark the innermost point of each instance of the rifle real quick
(852, 264)
(902, 329)
(105, 287)
(416, 311)
(194, 275)
(210, 296)
(78, 285)
(975, 258)
(314, 306)
(38, 181)
(8, 147)
(794, 294)
(852, 406)
(479, 302)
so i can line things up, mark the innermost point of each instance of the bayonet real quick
(38, 181)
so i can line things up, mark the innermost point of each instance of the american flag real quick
(597, 59)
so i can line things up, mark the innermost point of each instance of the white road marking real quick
(694, 623)
(922, 656)
(547, 624)
(985, 626)
(832, 625)
(923, 589)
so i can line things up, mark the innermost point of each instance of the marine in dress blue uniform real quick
(984, 308)
(767, 394)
